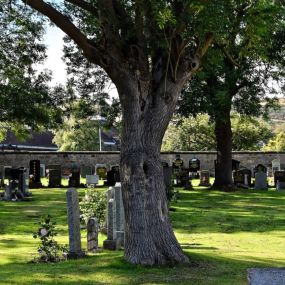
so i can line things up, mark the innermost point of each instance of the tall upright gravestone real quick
(35, 174)
(73, 218)
(54, 175)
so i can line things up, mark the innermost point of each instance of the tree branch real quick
(227, 55)
(208, 41)
(85, 6)
(67, 27)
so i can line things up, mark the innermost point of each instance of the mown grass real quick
(222, 233)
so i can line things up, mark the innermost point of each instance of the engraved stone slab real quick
(266, 276)
(73, 217)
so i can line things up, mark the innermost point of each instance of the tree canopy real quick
(25, 97)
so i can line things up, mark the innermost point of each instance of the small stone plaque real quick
(266, 276)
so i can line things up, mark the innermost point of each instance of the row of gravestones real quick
(73, 172)
(243, 177)
(115, 223)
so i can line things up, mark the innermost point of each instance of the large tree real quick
(236, 72)
(149, 49)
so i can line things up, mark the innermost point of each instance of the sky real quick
(53, 39)
(54, 42)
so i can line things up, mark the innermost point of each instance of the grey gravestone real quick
(111, 242)
(92, 235)
(205, 178)
(73, 217)
(110, 193)
(43, 170)
(276, 165)
(279, 176)
(260, 181)
(8, 192)
(54, 175)
(86, 170)
(266, 276)
(280, 186)
(120, 214)
(92, 180)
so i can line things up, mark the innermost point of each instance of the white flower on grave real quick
(43, 232)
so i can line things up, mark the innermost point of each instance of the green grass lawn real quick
(222, 233)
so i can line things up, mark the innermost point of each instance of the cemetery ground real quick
(222, 233)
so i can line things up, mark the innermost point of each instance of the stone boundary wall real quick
(247, 159)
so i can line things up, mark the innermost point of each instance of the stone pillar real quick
(111, 242)
(92, 235)
(120, 214)
(73, 217)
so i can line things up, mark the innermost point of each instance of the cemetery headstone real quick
(111, 243)
(74, 180)
(113, 175)
(35, 174)
(242, 178)
(177, 168)
(101, 171)
(205, 178)
(73, 217)
(266, 276)
(260, 167)
(7, 172)
(92, 180)
(43, 170)
(194, 165)
(54, 176)
(86, 170)
(260, 181)
(276, 165)
(92, 235)
(235, 164)
(280, 186)
(120, 214)
(66, 171)
(279, 175)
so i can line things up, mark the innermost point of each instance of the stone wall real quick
(247, 159)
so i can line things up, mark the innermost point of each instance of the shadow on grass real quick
(215, 211)
(110, 268)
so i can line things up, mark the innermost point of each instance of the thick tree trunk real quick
(223, 166)
(149, 236)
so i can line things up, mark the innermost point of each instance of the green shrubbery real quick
(49, 250)
(94, 205)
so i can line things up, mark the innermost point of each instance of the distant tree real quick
(249, 133)
(198, 134)
(77, 135)
(277, 143)
(25, 97)
(190, 134)
(236, 74)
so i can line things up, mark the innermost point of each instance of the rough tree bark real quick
(223, 167)
(149, 235)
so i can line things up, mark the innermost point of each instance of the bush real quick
(94, 205)
(49, 250)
